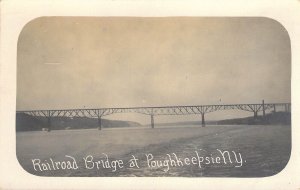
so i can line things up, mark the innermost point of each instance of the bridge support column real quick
(99, 123)
(274, 108)
(255, 114)
(263, 106)
(49, 123)
(152, 121)
(203, 120)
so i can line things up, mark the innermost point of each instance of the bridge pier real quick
(274, 108)
(99, 123)
(203, 120)
(264, 111)
(255, 114)
(152, 121)
(49, 123)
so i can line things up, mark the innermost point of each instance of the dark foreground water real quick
(187, 151)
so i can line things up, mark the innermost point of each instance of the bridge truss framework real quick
(156, 111)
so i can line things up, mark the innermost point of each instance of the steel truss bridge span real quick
(156, 111)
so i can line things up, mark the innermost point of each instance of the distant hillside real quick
(271, 118)
(25, 122)
(186, 123)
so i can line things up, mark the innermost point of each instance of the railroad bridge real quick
(156, 111)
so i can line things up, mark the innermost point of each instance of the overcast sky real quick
(73, 62)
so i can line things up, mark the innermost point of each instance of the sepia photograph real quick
(153, 97)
